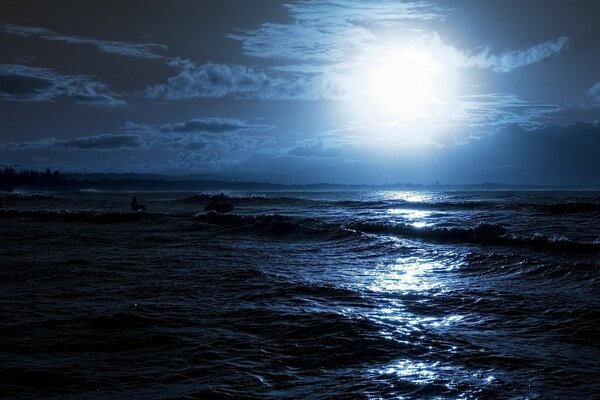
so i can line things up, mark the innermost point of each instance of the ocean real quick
(301, 295)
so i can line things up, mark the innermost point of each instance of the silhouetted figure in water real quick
(214, 205)
(135, 206)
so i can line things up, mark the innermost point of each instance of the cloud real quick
(241, 82)
(314, 150)
(126, 49)
(235, 137)
(330, 30)
(37, 144)
(499, 109)
(205, 144)
(510, 60)
(214, 125)
(549, 154)
(209, 80)
(23, 83)
(381, 12)
(227, 137)
(327, 39)
(595, 91)
(103, 142)
(457, 119)
(297, 42)
(334, 31)
(502, 62)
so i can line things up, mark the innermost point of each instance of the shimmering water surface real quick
(301, 295)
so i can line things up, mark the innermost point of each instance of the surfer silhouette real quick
(135, 206)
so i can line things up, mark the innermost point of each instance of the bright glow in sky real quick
(404, 94)
(306, 91)
(404, 82)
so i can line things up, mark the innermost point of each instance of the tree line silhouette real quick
(10, 179)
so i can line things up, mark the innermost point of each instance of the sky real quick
(309, 91)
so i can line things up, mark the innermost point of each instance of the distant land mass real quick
(12, 180)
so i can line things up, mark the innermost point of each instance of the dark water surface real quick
(301, 295)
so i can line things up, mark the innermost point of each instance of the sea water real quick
(314, 295)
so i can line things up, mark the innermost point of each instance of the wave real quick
(445, 205)
(566, 271)
(261, 200)
(482, 233)
(86, 216)
(551, 208)
(247, 200)
(199, 198)
(361, 204)
(286, 226)
(272, 224)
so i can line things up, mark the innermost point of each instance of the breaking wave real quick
(481, 233)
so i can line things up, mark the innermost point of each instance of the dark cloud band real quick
(126, 49)
(23, 83)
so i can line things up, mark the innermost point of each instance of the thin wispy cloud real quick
(302, 43)
(126, 49)
(498, 109)
(513, 59)
(330, 30)
(594, 91)
(503, 61)
(24, 83)
(381, 12)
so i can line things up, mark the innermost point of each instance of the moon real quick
(403, 82)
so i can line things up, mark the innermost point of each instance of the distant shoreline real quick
(150, 186)
(13, 181)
